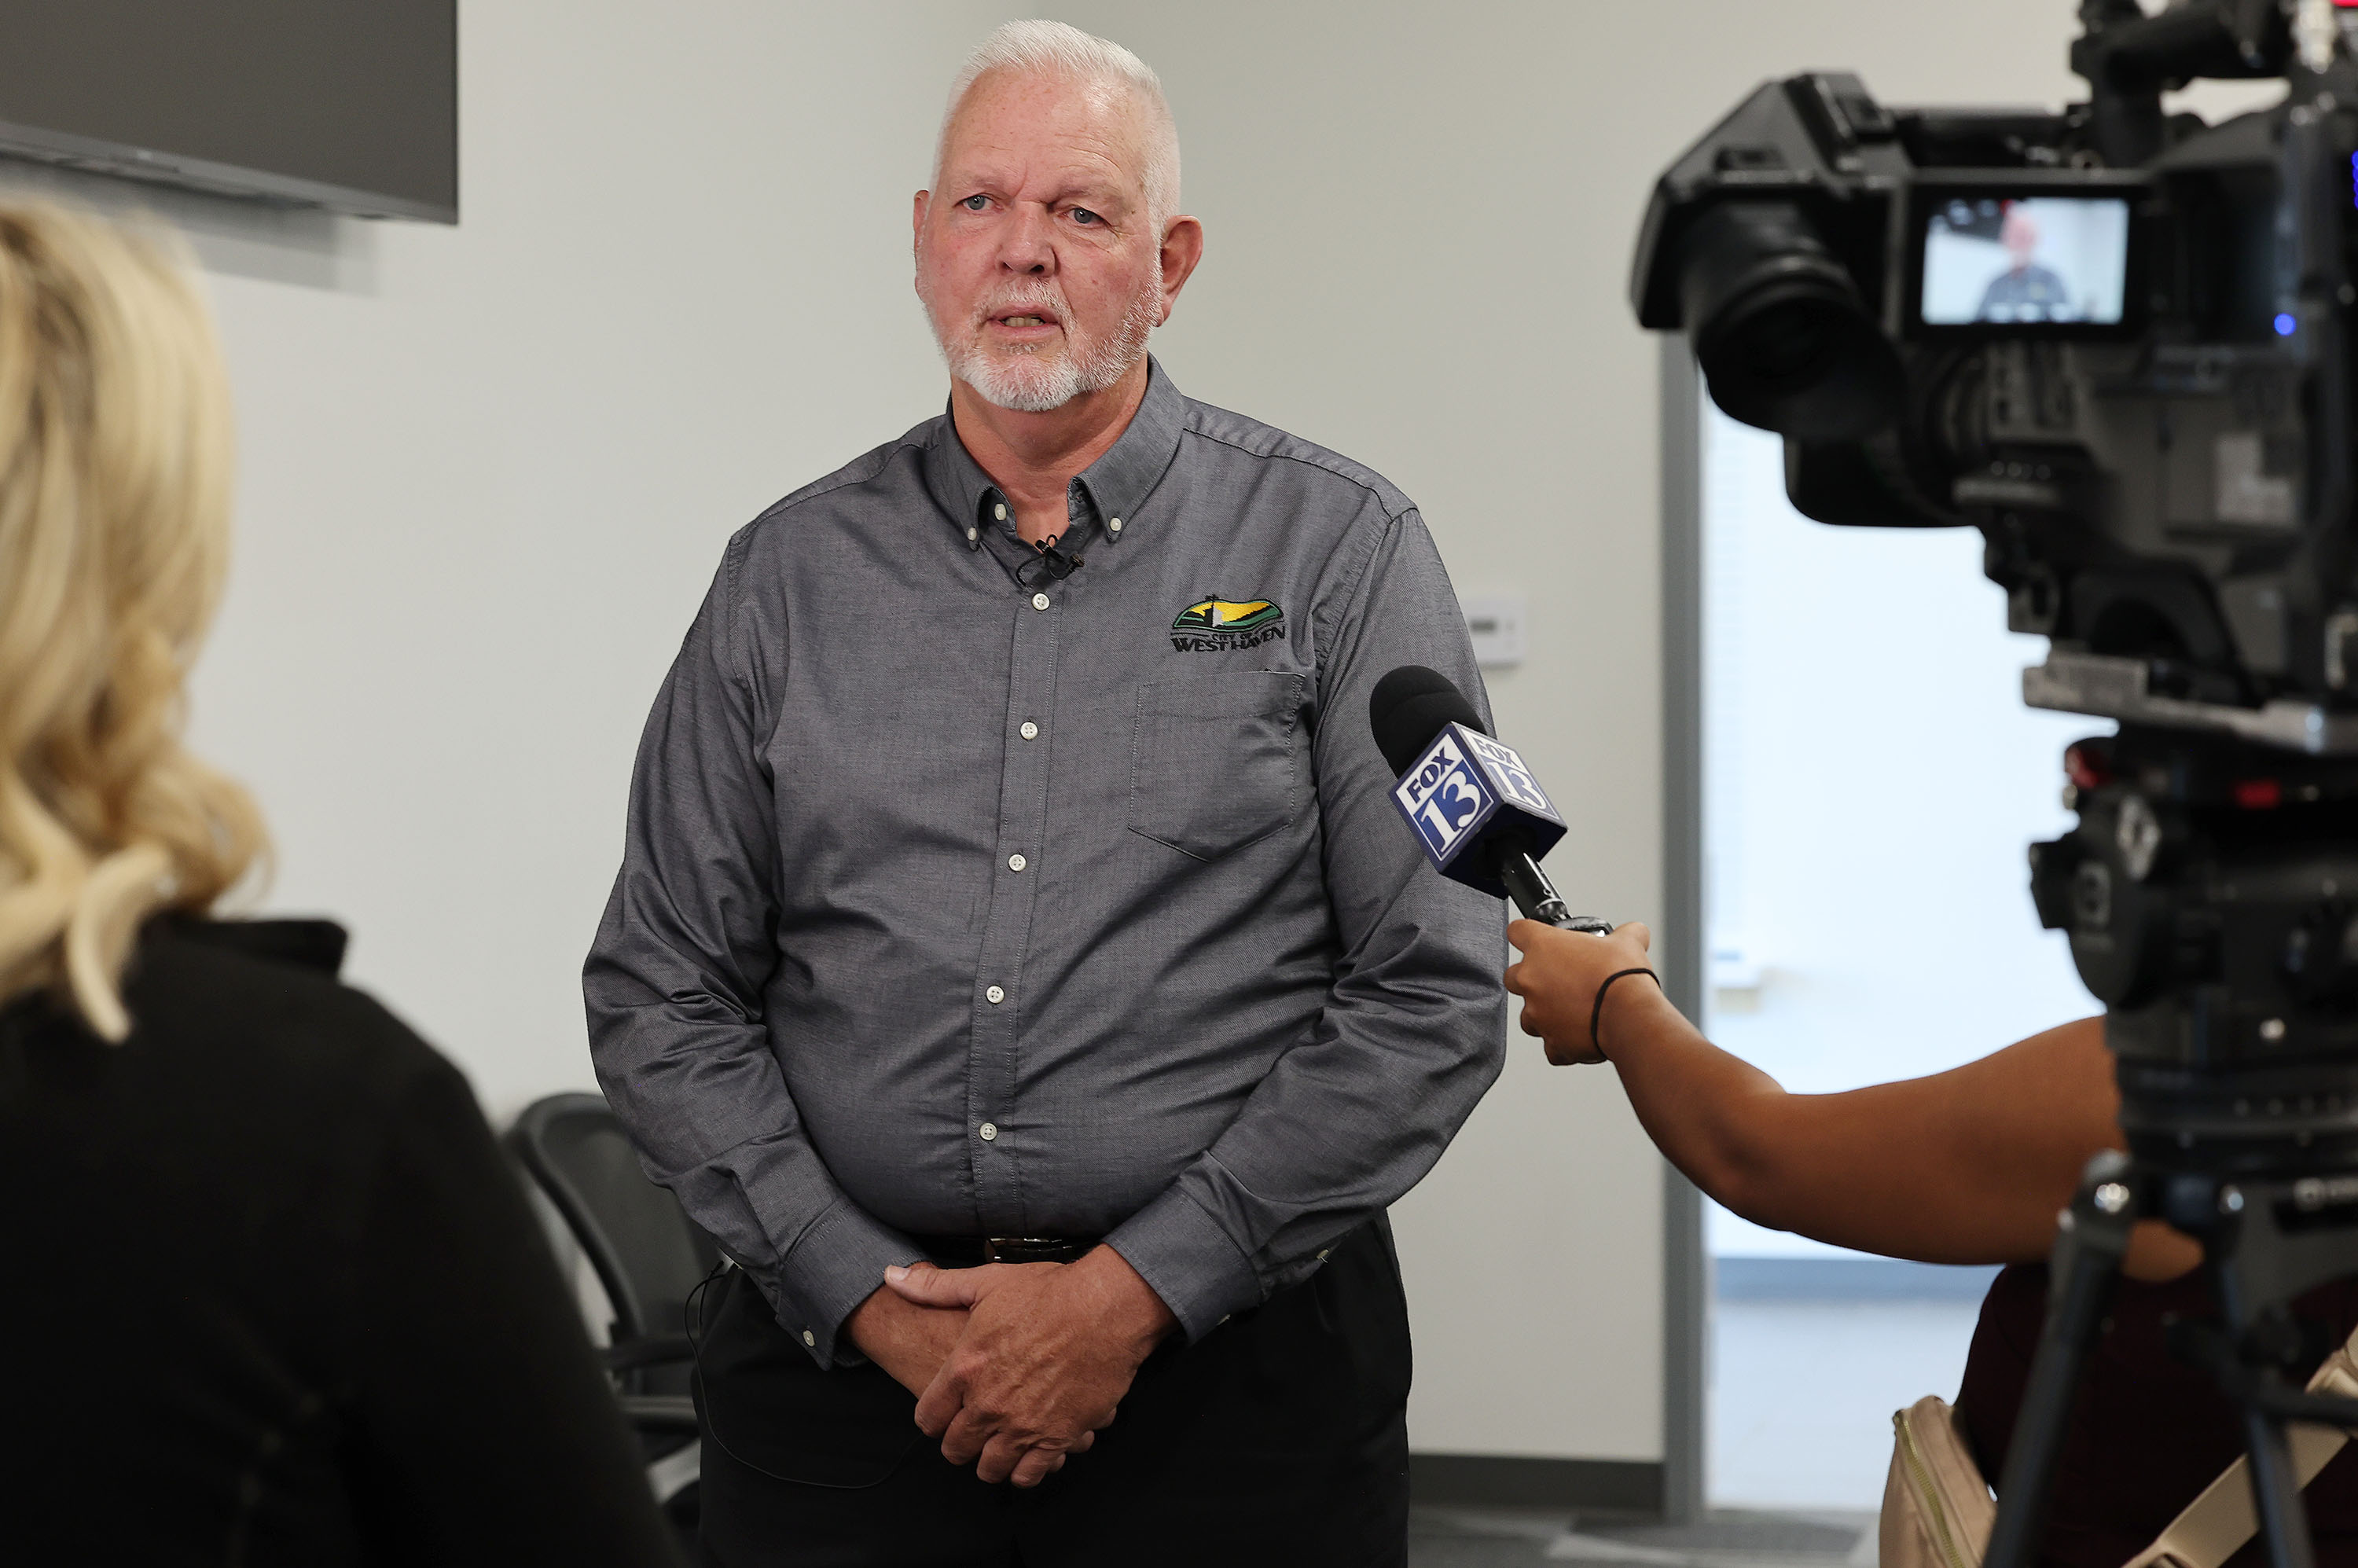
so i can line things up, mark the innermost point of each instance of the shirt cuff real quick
(833, 1266)
(1192, 1263)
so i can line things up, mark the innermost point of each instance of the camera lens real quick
(1784, 340)
(1784, 343)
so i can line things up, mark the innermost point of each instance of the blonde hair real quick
(114, 475)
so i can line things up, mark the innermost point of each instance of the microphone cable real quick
(1054, 563)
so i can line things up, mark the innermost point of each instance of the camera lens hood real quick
(1783, 337)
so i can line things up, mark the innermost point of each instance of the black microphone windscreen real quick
(1408, 708)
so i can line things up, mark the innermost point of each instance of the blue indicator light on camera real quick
(2285, 324)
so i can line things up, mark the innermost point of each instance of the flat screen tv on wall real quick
(347, 104)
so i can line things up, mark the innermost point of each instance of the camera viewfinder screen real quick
(2025, 261)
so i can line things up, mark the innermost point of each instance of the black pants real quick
(1280, 1437)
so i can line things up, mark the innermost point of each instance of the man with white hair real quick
(1017, 964)
(2025, 291)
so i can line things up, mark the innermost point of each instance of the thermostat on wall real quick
(1494, 622)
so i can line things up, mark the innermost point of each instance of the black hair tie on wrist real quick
(1596, 1014)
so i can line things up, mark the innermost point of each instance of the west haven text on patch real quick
(1210, 625)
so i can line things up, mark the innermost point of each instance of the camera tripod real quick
(2256, 1262)
(2169, 495)
(2204, 896)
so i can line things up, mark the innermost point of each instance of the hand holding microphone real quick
(1565, 979)
(1484, 821)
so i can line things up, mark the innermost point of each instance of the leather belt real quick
(971, 1251)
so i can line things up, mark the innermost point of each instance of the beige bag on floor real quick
(1937, 1509)
(1938, 1512)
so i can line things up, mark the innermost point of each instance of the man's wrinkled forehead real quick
(1093, 132)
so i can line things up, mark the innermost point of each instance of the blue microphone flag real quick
(1463, 794)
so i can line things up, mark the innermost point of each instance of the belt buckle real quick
(1025, 1250)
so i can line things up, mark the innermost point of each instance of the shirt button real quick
(1039, 601)
(811, 1339)
(990, 1130)
(1016, 862)
(994, 996)
(1030, 730)
(1000, 512)
(1114, 526)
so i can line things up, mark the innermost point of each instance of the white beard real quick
(1016, 378)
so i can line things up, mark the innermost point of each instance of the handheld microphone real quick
(1481, 817)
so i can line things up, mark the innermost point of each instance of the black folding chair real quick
(648, 1257)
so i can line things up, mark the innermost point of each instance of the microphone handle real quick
(1537, 898)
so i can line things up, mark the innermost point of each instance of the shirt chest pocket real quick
(1216, 763)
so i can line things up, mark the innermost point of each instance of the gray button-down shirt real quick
(961, 897)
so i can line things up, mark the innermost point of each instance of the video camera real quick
(2119, 343)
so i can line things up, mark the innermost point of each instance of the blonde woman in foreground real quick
(270, 1295)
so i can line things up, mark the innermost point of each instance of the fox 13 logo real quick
(1444, 797)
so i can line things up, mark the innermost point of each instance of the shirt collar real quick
(1116, 485)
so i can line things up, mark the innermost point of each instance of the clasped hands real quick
(1015, 1366)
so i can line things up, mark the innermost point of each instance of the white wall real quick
(489, 470)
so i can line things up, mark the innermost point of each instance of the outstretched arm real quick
(1967, 1166)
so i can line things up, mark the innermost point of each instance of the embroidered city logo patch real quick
(1209, 625)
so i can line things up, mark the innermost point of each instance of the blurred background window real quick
(1871, 782)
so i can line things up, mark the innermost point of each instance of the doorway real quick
(1869, 782)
